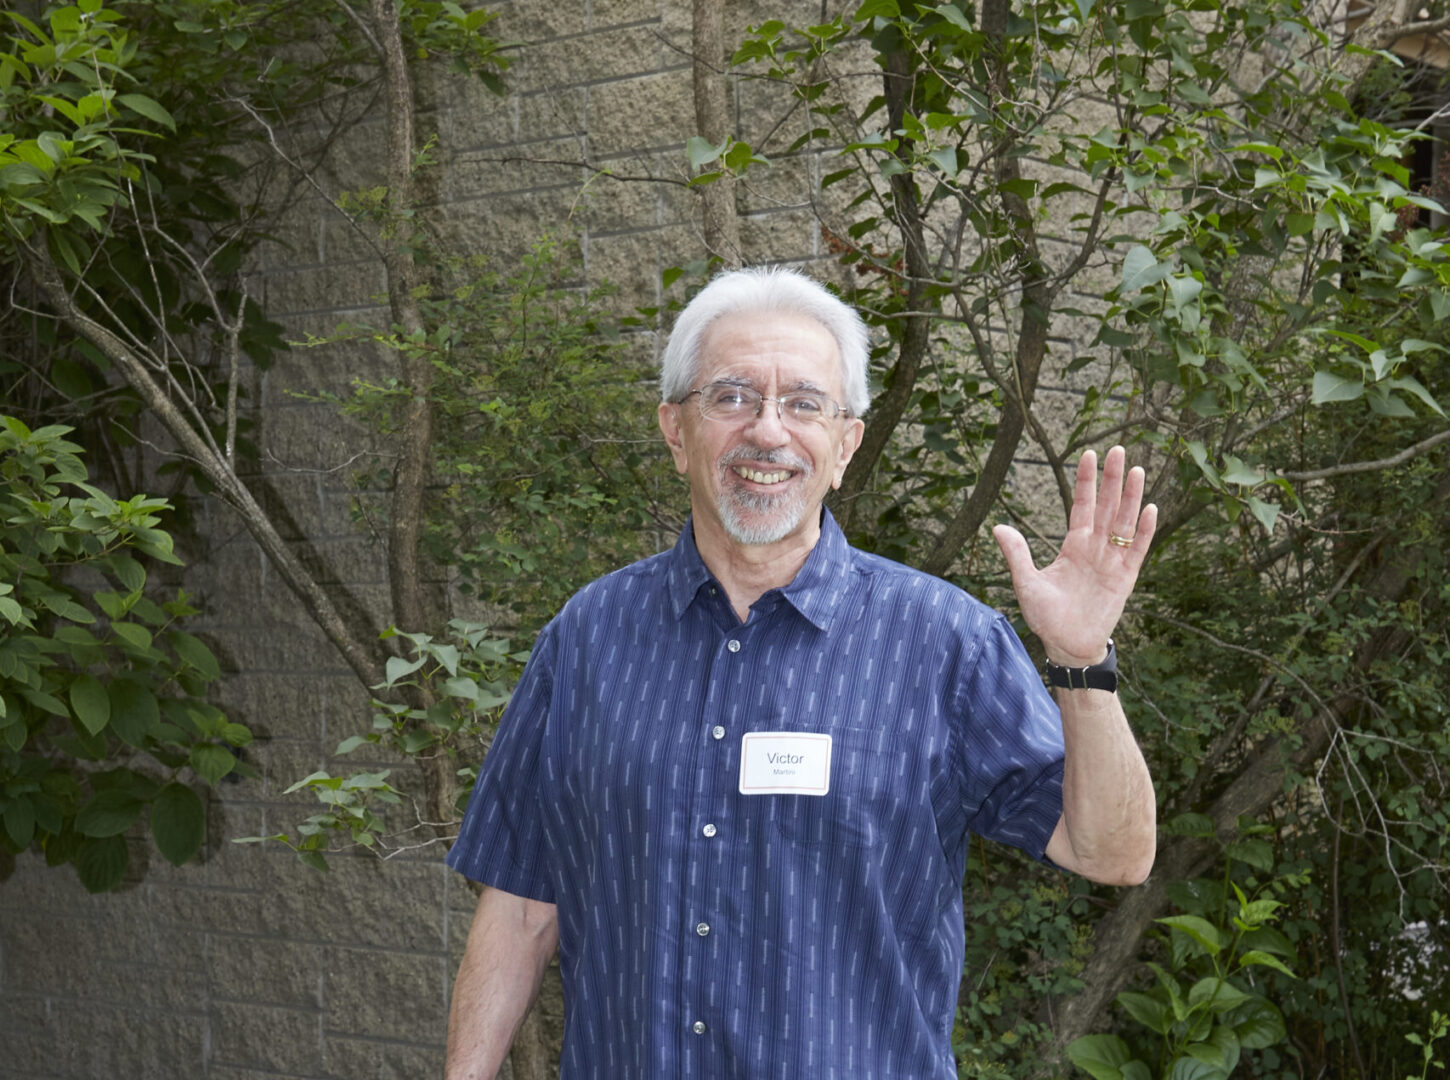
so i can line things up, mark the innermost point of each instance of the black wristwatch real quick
(1100, 676)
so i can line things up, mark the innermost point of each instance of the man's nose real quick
(767, 429)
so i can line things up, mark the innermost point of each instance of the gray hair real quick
(762, 289)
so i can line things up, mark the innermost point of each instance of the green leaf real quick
(212, 762)
(91, 703)
(1407, 382)
(135, 713)
(178, 823)
(132, 634)
(1266, 513)
(101, 863)
(398, 668)
(109, 813)
(1153, 1013)
(191, 651)
(871, 9)
(701, 151)
(1257, 957)
(1223, 994)
(20, 821)
(1100, 1056)
(1257, 1023)
(148, 108)
(1330, 387)
(1199, 929)
(1256, 853)
(1142, 269)
(1191, 1068)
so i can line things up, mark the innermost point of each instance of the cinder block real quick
(360, 901)
(604, 13)
(382, 1059)
(267, 1037)
(613, 54)
(383, 994)
(647, 113)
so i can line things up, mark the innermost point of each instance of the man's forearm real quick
(1108, 830)
(509, 947)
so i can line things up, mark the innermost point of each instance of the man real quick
(735, 785)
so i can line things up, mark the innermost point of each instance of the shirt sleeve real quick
(1010, 744)
(502, 842)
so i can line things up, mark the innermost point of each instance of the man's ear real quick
(850, 443)
(669, 414)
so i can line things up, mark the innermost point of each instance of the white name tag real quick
(785, 763)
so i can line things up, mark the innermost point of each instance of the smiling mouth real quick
(758, 476)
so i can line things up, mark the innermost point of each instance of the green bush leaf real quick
(1223, 994)
(101, 863)
(91, 703)
(212, 762)
(135, 713)
(147, 107)
(109, 813)
(178, 823)
(193, 652)
(1151, 1012)
(1200, 930)
(1262, 959)
(1257, 1023)
(20, 821)
(1100, 1056)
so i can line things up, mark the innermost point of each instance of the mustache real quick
(743, 454)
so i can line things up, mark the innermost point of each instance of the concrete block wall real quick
(249, 965)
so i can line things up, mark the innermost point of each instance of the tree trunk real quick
(712, 119)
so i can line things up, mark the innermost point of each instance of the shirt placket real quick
(712, 840)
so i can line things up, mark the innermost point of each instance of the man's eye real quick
(805, 404)
(728, 397)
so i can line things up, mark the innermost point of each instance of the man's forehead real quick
(746, 345)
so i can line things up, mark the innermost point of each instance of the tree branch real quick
(712, 119)
(1353, 467)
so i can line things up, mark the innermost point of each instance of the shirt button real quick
(698, 1027)
(713, 590)
(717, 732)
(703, 929)
(733, 645)
(708, 830)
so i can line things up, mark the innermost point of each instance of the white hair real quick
(762, 289)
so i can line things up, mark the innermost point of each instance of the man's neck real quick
(749, 571)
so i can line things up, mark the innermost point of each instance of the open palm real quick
(1074, 603)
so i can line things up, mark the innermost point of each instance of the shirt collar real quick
(816, 592)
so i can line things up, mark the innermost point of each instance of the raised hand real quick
(1074, 604)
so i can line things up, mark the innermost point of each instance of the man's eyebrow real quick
(805, 384)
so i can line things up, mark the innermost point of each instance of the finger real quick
(1017, 553)
(1143, 538)
(1125, 522)
(1110, 495)
(1084, 493)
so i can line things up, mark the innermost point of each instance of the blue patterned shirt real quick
(704, 933)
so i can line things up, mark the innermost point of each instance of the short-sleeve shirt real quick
(706, 933)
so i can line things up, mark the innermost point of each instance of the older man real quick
(735, 785)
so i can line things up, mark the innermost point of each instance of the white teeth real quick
(762, 477)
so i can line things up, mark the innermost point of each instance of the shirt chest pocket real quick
(869, 795)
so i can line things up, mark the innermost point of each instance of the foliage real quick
(1026, 942)
(1191, 226)
(468, 677)
(101, 713)
(546, 469)
(1205, 1008)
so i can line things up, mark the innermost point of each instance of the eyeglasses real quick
(731, 403)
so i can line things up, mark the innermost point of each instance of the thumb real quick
(1017, 553)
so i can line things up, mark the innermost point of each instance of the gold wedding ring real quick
(1120, 541)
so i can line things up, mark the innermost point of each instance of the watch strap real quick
(1100, 676)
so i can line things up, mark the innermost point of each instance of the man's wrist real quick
(1102, 675)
